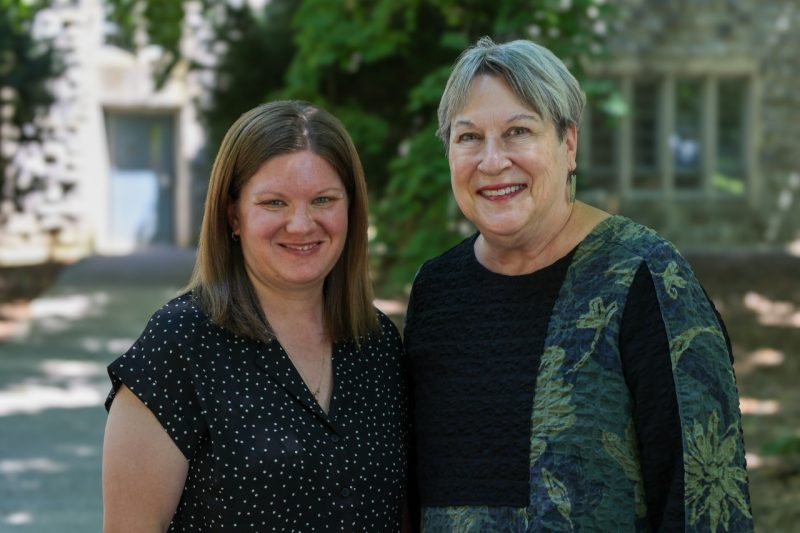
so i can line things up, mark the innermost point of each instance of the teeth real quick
(503, 191)
(303, 248)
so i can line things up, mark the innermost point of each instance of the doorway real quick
(142, 181)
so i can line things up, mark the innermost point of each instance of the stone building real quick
(117, 159)
(701, 141)
(708, 151)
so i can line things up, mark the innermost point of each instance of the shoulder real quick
(640, 249)
(388, 329)
(619, 245)
(384, 343)
(448, 261)
(626, 237)
(178, 318)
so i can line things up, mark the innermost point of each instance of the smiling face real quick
(291, 217)
(508, 167)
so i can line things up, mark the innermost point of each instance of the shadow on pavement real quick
(53, 384)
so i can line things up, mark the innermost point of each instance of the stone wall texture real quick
(765, 33)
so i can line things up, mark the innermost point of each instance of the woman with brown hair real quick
(270, 396)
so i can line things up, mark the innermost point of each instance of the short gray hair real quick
(535, 75)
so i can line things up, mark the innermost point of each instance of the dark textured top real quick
(263, 456)
(494, 455)
(473, 398)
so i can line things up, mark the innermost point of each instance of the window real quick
(686, 140)
(644, 116)
(731, 162)
(687, 135)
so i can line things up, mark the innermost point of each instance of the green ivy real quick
(27, 65)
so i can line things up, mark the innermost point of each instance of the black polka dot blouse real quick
(263, 456)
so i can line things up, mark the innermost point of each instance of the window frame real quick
(625, 72)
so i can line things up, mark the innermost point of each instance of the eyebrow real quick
(328, 190)
(518, 116)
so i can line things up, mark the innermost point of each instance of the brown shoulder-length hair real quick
(220, 284)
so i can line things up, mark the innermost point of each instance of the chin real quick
(501, 228)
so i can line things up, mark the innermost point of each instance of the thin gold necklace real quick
(306, 381)
(321, 375)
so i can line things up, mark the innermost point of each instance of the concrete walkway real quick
(53, 384)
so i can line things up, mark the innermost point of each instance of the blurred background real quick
(111, 112)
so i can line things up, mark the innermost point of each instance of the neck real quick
(287, 311)
(544, 247)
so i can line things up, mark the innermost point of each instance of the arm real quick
(143, 470)
(677, 361)
(644, 349)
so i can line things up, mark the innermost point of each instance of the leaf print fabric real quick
(619, 450)
(672, 281)
(559, 495)
(552, 411)
(597, 318)
(714, 480)
(683, 342)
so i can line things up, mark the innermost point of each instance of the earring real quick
(573, 178)
(234, 237)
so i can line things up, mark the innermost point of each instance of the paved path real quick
(53, 384)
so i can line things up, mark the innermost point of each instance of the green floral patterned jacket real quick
(584, 469)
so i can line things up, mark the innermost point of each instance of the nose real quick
(494, 160)
(300, 221)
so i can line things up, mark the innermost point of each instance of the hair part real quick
(534, 74)
(220, 284)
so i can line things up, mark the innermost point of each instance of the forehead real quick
(488, 94)
(303, 169)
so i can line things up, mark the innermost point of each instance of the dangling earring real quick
(234, 237)
(573, 178)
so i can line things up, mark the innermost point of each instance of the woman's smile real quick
(499, 193)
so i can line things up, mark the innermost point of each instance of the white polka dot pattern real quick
(263, 456)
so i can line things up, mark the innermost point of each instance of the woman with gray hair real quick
(569, 371)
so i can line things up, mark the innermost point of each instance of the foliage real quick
(257, 51)
(162, 22)
(27, 65)
(380, 66)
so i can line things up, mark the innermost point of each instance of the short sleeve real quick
(158, 370)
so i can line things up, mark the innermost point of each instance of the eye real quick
(273, 203)
(468, 136)
(322, 200)
(516, 131)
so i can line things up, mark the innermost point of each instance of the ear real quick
(571, 144)
(233, 215)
